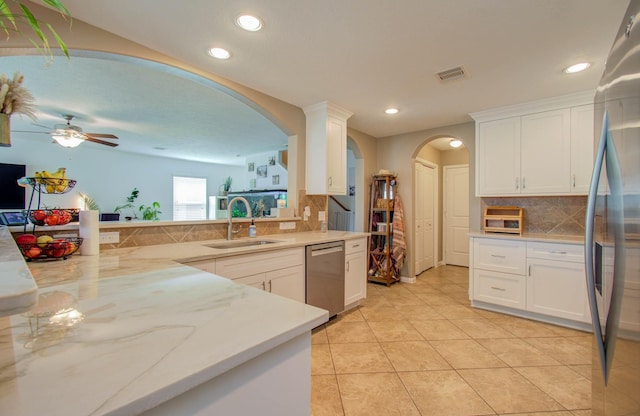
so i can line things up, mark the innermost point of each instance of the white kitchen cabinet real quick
(497, 288)
(545, 141)
(539, 148)
(355, 279)
(505, 256)
(326, 149)
(498, 272)
(498, 160)
(582, 144)
(538, 280)
(278, 271)
(556, 283)
(287, 282)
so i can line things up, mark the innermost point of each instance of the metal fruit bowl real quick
(52, 185)
(60, 248)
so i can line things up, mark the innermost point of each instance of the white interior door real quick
(425, 190)
(456, 215)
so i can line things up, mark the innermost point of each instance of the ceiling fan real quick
(68, 135)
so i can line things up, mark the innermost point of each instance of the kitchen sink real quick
(240, 243)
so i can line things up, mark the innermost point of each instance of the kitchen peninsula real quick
(134, 331)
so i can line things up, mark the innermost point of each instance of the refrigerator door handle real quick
(589, 244)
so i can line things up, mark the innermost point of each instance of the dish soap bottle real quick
(252, 229)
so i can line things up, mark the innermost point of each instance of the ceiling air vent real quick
(452, 74)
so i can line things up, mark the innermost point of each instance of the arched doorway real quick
(443, 201)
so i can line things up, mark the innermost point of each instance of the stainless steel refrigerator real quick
(612, 229)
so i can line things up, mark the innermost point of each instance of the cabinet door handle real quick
(524, 184)
(501, 289)
(355, 245)
(498, 256)
(269, 286)
(574, 180)
(348, 264)
(330, 180)
(263, 286)
(517, 184)
(558, 252)
(529, 270)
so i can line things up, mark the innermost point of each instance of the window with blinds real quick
(189, 198)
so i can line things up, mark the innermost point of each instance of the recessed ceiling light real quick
(577, 68)
(391, 111)
(219, 53)
(249, 23)
(455, 143)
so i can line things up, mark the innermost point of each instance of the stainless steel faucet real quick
(230, 210)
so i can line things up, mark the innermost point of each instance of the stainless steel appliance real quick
(612, 229)
(325, 276)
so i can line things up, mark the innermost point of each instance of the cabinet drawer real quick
(554, 251)
(500, 288)
(250, 264)
(499, 255)
(355, 246)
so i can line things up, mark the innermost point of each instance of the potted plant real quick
(226, 186)
(150, 213)
(14, 99)
(130, 200)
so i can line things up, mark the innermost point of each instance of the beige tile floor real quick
(420, 349)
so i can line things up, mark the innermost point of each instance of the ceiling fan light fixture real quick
(67, 140)
(455, 143)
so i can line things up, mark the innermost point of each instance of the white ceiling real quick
(365, 55)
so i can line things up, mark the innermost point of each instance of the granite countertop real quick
(130, 328)
(543, 238)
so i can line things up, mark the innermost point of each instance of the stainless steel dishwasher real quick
(325, 276)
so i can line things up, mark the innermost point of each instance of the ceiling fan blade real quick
(94, 140)
(104, 136)
(30, 131)
(40, 125)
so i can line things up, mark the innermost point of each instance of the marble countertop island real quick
(129, 329)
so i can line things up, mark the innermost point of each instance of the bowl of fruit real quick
(50, 216)
(47, 247)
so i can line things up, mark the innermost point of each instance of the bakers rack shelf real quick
(381, 264)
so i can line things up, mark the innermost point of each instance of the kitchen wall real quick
(276, 175)
(108, 176)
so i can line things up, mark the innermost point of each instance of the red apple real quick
(52, 219)
(39, 215)
(26, 239)
(33, 252)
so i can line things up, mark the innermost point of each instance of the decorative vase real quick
(5, 130)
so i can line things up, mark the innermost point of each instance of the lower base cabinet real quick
(355, 278)
(551, 287)
(557, 288)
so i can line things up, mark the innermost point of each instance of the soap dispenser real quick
(252, 229)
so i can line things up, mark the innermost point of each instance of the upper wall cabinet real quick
(541, 148)
(326, 151)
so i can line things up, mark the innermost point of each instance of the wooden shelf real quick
(503, 219)
(382, 267)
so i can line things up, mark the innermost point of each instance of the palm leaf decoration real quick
(9, 22)
(89, 203)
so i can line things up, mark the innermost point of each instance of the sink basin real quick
(240, 243)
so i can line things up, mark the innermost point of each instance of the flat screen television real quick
(12, 195)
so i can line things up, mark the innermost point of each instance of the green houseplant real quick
(151, 212)
(11, 21)
(130, 200)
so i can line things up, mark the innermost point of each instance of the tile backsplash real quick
(559, 215)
